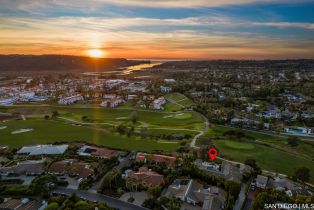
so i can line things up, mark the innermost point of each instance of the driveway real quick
(73, 182)
(139, 197)
(239, 202)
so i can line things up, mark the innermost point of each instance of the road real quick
(112, 202)
(192, 144)
(239, 202)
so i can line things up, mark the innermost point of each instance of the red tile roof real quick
(168, 160)
(71, 167)
(147, 177)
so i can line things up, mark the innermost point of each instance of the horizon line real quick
(163, 58)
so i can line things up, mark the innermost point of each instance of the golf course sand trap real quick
(3, 127)
(121, 118)
(23, 130)
(181, 116)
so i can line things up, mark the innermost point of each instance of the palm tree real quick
(130, 184)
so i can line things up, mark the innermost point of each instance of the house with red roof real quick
(147, 177)
(157, 159)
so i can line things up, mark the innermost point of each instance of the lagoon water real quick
(127, 70)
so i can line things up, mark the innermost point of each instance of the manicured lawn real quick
(183, 116)
(267, 158)
(176, 96)
(304, 147)
(180, 99)
(46, 131)
(171, 107)
(239, 145)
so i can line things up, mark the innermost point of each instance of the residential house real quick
(39, 98)
(225, 170)
(157, 159)
(70, 99)
(110, 96)
(71, 168)
(28, 167)
(158, 103)
(291, 188)
(192, 192)
(272, 112)
(115, 82)
(147, 177)
(221, 96)
(131, 97)
(26, 95)
(307, 115)
(298, 131)
(99, 152)
(281, 184)
(7, 101)
(22, 204)
(165, 89)
(250, 107)
(135, 87)
(261, 181)
(169, 80)
(112, 102)
(289, 115)
(299, 191)
(43, 150)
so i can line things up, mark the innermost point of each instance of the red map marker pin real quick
(212, 153)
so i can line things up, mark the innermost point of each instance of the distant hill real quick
(62, 63)
(298, 64)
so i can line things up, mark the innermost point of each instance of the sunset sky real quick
(204, 29)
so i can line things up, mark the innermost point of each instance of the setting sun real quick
(95, 53)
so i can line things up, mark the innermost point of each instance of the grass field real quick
(146, 118)
(171, 107)
(266, 157)
(283, 159)
(239, 145)
(180, 99)
(46, 131)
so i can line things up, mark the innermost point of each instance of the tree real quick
(252, 163)
(41, 185)
(103, 206)
(233, 188)
(293, 141)
(170, 203)
(55, 114)
(83, 205)
(131, 184)
(121, 129)
(134, 117)
(52, 206)
(270, 196)
(84, 118)
(154, 191)
(144, 132)
(260, 201)
(302, 174)
(46, 117)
